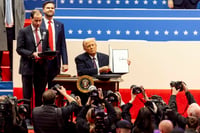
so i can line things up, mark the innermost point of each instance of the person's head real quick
(90, 46)
(194, 110)
(49, 97)
(36, 18)
(143, 122)
(48, 9)
(118, 112)
(123, 126)
(192, 122)
(165, 126)
(89, 115)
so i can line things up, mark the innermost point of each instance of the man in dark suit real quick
(91, 62)
(58, 42)
(183, 4)
(33, 68)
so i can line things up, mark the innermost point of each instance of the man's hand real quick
(129, 62)
(104, 69)
(171, 4)
(78, 100)
(185, 88)
(175, 91)
(64, 68)
(133, 96)
(62, 90)
(36, 56)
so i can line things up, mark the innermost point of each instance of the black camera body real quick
(94, 94)
(55, 88)
(6, 111)
(111, 97)
(136, 89)
(99, 116)
(177, 84)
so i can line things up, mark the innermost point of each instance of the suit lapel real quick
(32, 36)
(88, 60)
(43, 24)
(57, 28)
(99, 58)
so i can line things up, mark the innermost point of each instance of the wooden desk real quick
(70, 83)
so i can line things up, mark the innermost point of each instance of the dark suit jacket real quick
(26, 47)
(180, 120)
(185, 4)
(60, 43)
(84, 64)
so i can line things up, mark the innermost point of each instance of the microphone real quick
(42, 39)
(43, 35)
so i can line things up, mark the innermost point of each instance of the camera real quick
(99, 115)
(7, 107)
(136, 89)
(111, 97)
(55, 88)
(177, 84)
(94, 94)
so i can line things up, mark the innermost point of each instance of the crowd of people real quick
(107, 113)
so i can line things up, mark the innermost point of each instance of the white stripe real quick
(6, 90)
(128, 18)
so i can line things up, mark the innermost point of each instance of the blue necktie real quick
(9, 22)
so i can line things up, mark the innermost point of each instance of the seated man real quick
(91, 62)
(48, 118)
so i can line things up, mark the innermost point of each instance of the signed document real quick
(118, 60)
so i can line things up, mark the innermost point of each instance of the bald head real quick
(165, 126)
(194, 110)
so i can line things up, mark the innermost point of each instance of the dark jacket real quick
(47, 120)
(85, 66)
(180, 120)
(25, 48)
(83, 125)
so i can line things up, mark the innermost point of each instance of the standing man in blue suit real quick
(33, 68)
(58, 42)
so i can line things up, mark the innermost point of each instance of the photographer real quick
(93, 118)
(12, 118)
(193, 109)
(48, 118)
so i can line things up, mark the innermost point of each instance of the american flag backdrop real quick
(131, 24)
(125, 19)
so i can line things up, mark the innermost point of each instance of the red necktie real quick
(38, 40)
(50, 36)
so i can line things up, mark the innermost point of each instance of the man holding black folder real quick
(31, 41)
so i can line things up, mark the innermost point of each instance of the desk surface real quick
(70, 82)
(73, 79)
